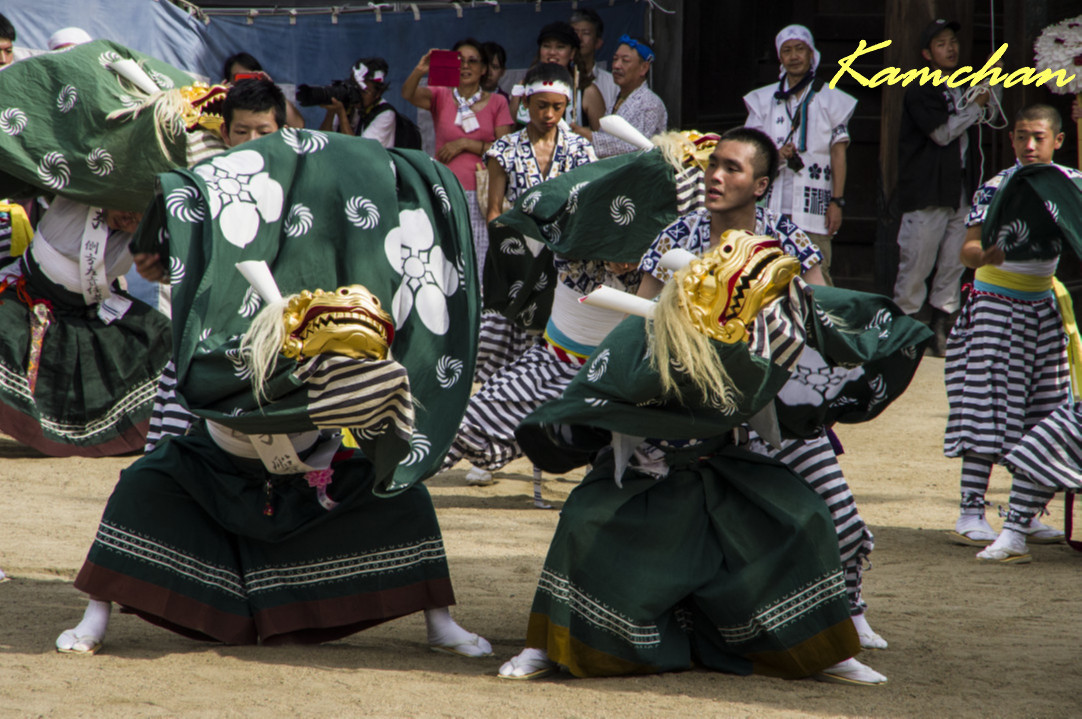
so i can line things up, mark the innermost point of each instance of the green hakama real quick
(730, 562)
(195, 540)
(707, 553)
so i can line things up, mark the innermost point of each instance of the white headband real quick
(560, 88)
(360, 73)
(796, 32)
(68, 36)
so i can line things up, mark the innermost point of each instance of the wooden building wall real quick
(724, 48)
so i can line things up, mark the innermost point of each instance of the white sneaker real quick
(1040, 533)
(478, 477)
(1009, 548)
(973, 530)
(851, 672)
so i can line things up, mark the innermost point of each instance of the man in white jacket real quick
(808, 122)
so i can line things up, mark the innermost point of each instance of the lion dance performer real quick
(79, 358)
(685, 545)
(257, 525)
(594, 223)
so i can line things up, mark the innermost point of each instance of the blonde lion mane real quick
(674, 340)
(262, 343)
(673, 145)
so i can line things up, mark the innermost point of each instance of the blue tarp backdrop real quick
(313, 50)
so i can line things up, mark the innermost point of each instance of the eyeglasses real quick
(470, 60)
(640, 47)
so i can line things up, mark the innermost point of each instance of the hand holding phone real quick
(443, 68)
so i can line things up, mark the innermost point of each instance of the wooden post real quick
(1078, 128)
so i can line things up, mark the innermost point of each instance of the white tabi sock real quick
(445, 634)
(87, 635)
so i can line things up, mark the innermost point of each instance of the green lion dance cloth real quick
(258, 526)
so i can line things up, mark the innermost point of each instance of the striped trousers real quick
(1006, 370)
(168, 418)
(817, 464)
(1047, 460)
(486, 436)
(499, 343)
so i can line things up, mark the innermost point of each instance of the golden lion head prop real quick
(723, 291)
(348, 321)
(201, 105)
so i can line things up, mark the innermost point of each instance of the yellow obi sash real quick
(21, 231)
(993, 275)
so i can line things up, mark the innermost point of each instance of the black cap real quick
(934, 28)
(561, 31)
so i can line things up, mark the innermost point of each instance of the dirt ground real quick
(966, 639)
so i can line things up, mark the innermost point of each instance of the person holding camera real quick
(808, 123)
(367, 114)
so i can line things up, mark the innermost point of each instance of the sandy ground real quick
(966, 639)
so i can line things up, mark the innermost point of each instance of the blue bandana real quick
(640, 47)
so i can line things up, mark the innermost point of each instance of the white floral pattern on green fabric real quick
(362, 212)
(428, 278)
(622, 211)
(448, 370)
(185, 204)
(65, 101)
(251, 303)
(598, 366)
(53, 170)
(530, 201)
(108, 57)
(304, 142)
(573, 197)
(512, 246)
(814, 382)
(445, 201)
(298, 220)
(420, 446)
(100, 162)
(13, 121)
(176, 271)
(239, 193)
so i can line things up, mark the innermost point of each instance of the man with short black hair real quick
(937, 174)
(7, 38)
(252, 108)
(739, 172)
(591, 30)
(1007, 362)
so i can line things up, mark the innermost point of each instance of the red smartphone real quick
(443, 68)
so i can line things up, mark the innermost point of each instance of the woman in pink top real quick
(468, 120)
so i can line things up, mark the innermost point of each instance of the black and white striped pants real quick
(1046, 461)
(1006, 370)
(499, 343)
(168, 418)
(815, 461)
(486, 436)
